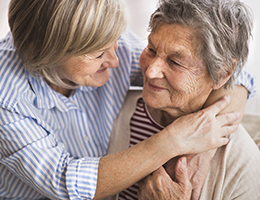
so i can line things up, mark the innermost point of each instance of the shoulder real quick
(241, 154)
(130, 47)
(131, 99)
(13, 78)
(234, 166)
(120, 134)
(242, 146)
(130, 44)
(243, 164)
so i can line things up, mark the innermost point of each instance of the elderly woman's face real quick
(175, 78)
(90, 70)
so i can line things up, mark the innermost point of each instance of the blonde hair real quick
(45, 31)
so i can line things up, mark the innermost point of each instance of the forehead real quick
(174, 38)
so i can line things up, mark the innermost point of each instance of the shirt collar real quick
(47, 98)
(87, 89)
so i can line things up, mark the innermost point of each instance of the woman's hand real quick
(160, 186)
(237, 92)
(167, 183)
(203, 130)
(198, 166)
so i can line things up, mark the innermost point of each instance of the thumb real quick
(181, 175)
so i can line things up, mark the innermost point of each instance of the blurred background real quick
(139, 12)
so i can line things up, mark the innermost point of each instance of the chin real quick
(97, 81)
(150, 100)
(101, 82)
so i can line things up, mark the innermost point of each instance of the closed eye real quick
(175, 63)
(152, 52)
(100, 55)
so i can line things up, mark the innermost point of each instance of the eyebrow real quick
(178, 54)
(103, 50)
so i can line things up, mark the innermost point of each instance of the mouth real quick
(155, 87)
(101, 70)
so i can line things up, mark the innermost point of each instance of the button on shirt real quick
(54, 143)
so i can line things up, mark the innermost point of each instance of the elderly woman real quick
(194, 48)
(60, 92)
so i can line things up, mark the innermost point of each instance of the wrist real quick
(171, 145)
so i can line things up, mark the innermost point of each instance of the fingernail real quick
(236, 126)
(227, 97)
(238, 114)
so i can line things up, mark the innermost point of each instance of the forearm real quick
(121, 170)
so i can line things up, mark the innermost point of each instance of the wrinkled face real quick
(175, 78)
(90, 70)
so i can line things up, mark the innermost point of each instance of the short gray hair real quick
(223, 27)
(45, 31)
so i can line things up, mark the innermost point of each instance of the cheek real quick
(195, 79)
(71, 67)
(185, 82)
(195, 85)
(192, 84)
(86, 68)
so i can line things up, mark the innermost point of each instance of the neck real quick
(61, 90)
(161, 117)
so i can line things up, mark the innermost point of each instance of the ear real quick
(224, 77)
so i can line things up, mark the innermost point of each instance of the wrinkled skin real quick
(176, 83)
(198, 166)
(168, 189)
(164, 183)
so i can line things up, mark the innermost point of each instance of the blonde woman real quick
(64, 75)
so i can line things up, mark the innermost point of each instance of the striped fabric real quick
(51, 142)
(142, 126)
(50, 145)
(248, 80)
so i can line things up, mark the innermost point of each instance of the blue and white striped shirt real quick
(50, 145)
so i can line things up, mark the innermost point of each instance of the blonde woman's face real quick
(90, 70)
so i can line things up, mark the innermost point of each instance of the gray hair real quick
(223, 27)
(45, 31)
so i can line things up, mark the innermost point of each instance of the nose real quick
(112, 61)
(155, 69)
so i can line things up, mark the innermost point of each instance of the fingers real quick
(226, 121)
(228, 129)
(223, 141)
(182, 177)
(155, 186)
(219, 105)
(195, 194)
(228, 118)
(159, 186)
(205, 127)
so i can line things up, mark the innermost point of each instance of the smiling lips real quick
(101, 70)
(154, 87)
